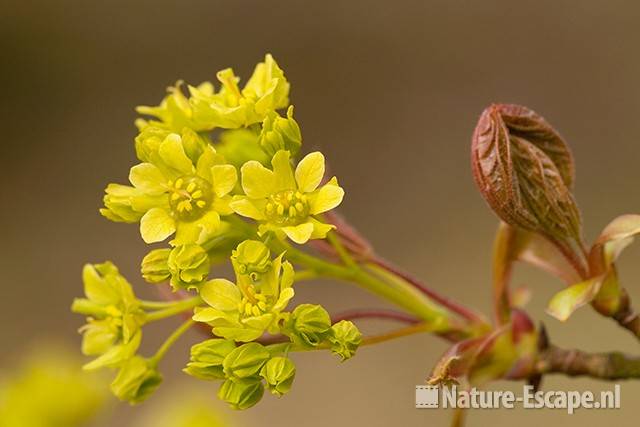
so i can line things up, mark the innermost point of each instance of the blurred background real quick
(390, 91)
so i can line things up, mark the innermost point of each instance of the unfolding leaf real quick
(612, 300)
(616, 236)
(524, 170)
(565, 302)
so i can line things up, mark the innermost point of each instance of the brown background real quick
(390, 91)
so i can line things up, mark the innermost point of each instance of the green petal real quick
(257, 181)
(245, 207)
(299, 233)
(172, 153)
(310, 171)
(221, 294)
(148, 178)
(327, 197)
(282, 171)
(156, 225)
(224, 179)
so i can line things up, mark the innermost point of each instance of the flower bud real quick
(524, 170)
(345, 339)
(136, 380)
(308, 325)
(241, 394)
(148, 141)
(251, 257)
(245, 361)
(279, 133)
(154, 266)
(189, 266)
(207, 357)
(118, 205)
(279, 373)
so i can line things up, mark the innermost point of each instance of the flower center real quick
(190, 197)
(253, 303)
(287, 208)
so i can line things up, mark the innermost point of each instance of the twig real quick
(574, 363)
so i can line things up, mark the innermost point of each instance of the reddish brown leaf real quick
(524, 170)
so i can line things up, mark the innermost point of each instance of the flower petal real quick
(156, 225)
(283, 300)
(257, 181)
(172, 153)
(239, 334)
(221, 294)
(206, 161)
(224, 179)
(310, 171)
(299, 233)
(148, 178)
(208, 314)
(282, 171)
(246, 207)
(328, 197)
(198, 230)
(320, 229)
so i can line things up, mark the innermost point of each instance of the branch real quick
(575, 363)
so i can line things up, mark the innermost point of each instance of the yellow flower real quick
(285, 201)
(266, 90)
(173, 193)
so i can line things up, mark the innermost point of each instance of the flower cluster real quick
(219, 178)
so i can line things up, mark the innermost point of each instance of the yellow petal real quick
(245, 207)
(299, 233)
(257, 181)
(148, 178)
(310, 171)
(197, 231)
(224, 179)
(282, 171)
(156, 225)
(327, 197)
(172, 153)
(320, 229)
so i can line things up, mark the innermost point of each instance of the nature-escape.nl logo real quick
(454, 397)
